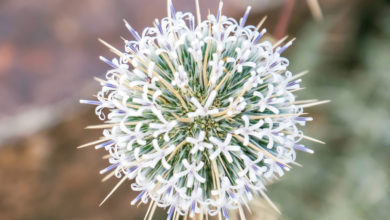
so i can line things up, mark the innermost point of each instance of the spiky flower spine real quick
(202, 116)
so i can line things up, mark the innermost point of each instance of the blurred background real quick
(49, 55)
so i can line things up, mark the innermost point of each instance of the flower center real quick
(205, 123)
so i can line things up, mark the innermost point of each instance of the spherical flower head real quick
(200, 114)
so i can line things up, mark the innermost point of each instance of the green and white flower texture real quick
(201, 115)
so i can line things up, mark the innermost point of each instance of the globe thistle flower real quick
(201, 115)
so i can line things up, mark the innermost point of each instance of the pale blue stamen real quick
(284, 47)
(225, 213)
(169, 190)
(159, 26)
(247, 189)
(132, 169)
(219, 10)
(303, 148)
(273, 64)
(112, 166)
(132, 47)
(138, 197)
(172, 9)
(107, 143)
(170, 213)
(90, 102)
(292, 83)
(108, 62)
(281, 165)
(303, 118)
(231, 194)
(133, 32)
(243, 19)
(259, 36)
(119, 111)
(193, 206)
(109, 85)
(191, 23)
